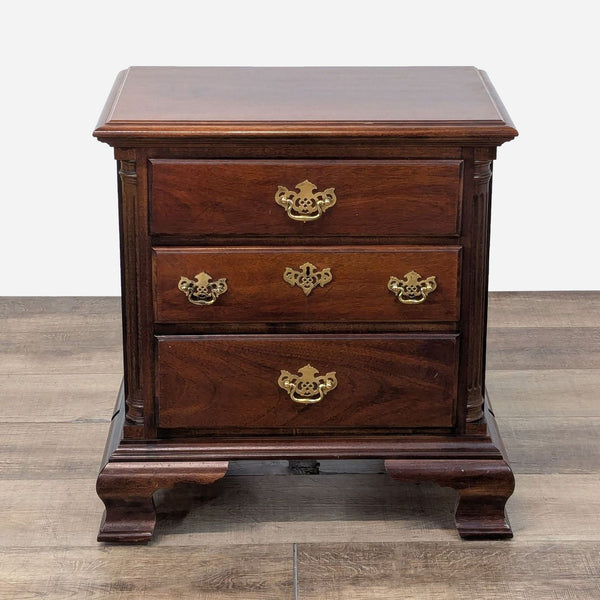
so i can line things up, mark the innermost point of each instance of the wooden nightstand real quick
(304, 267)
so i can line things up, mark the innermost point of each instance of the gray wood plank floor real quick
(348, 533)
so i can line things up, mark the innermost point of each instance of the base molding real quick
(474, 465)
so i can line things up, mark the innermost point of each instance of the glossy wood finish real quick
(476, 324)
(257, 291)
(388, 382)
(188, 103)
(304, 94)
(202, 150)
(128, 209)
(483, 489)
(483, 486)
(127, 489)
(393, 198)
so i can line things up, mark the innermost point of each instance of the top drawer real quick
(308, 197)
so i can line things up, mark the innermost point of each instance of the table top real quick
(201, 101)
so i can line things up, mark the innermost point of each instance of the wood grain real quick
(563, 393)
(544, 309)
(304, 93)
(50, 322)
(477, 211)
(212, 382)
(442, 103)
(62, 397)
(247, 572)
(49, 509)
(447, 572)
(67, 351)
(127, 490)
(528, 348)
(73, 450)
(298, 509)
(257, 291)
(550, 445)
(58, 397)
(184, 395)
(57, 308)
(393, 198)
(483, 487)
(38, 450)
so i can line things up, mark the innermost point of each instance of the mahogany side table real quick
(304, 259)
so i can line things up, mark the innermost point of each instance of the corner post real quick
(477, 324)
(134, 414)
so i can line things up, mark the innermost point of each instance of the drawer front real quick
(357, 198)
(307, 284)
(258, 382)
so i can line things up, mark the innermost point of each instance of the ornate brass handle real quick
(203, 290)
(305, 205)
(412, 289)
(308, 387)
(307, 278)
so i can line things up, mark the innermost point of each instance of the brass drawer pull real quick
(412, 289)
(308, 387)
(307, 278)
(305, 205)
(203, 291)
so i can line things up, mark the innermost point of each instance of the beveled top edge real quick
(399, 84)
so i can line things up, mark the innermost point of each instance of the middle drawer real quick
(320, 284)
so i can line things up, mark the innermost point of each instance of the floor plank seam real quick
(295, 563)
(360, 546)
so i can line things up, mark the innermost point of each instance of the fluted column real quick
(478, 315)
(128, 208)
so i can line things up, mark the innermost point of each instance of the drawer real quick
(307, 284)
(355, 198)
(327, 381)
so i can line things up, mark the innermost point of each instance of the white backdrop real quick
(58, 185)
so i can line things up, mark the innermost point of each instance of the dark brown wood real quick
(205, 327)
(376, 570)
(127, 488)
(426, 446)
(483, 485)
(202, 152)
(229, 381)
(117, 423)
(297, 240)
(304, 94)
(144, 288)
(302, 147)
(129, 266)
(191, 102)
(211, 197)
(482, 174)
(483, 489)
(257, 290)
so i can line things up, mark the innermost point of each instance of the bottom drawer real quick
(306, 381)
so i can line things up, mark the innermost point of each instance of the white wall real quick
(58, 185)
